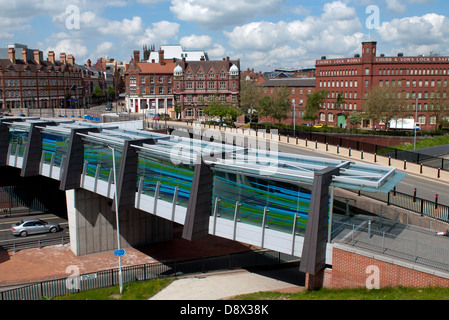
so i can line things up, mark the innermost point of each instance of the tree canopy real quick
(314, 102)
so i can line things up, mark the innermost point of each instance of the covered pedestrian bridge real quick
(268, 199)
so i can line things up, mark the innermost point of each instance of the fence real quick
(20, 199)
(386, 151)
(22, 244)
(107, 278)
(417, 245)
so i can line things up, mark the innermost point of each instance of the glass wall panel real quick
(97, 154)
(154, 169)
(54, 144)
(18, 138)
(283, 201)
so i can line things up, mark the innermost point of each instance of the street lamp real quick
(117, 220)
(416, 116)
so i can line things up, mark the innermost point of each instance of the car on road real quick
(318, 126)
(109, 107)
(33, 226)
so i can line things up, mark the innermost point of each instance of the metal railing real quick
(108, 278)
(396, 240)
(22, 244)
(427, 208)
(386, 151)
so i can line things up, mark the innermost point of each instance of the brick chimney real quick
(12, 55)
(89, 63)
(136, 56)
(51, 57)
(24, 55)
(37, 56)
(161, 57)
(62, 58)
(71, 60)
(202, 58)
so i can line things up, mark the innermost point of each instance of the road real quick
(6, 236)
(425, 188)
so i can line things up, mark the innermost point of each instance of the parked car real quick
(318, 126)
(33, 226)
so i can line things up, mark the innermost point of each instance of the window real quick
(367, 71)
(211, 85)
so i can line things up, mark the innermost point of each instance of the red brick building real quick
(31, 82)
(196, 82)
(299, 89)
(149, 85)
(417, 77)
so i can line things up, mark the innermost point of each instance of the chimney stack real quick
(71, 60)
(89, 63)
(24, 55)
(62, 58)
(161, 57)
(12, 55)
(136, 56)
(202, 58)
(37, 56)
(51, 57)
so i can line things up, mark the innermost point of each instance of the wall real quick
(92, 225)
(356, 268)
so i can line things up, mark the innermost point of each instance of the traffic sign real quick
(120, 252)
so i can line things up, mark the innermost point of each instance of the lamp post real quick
(117, 220)
(294, 118)
(416, 117)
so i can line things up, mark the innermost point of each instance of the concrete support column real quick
(92, 225)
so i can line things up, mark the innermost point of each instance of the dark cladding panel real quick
(73, 166)
(199, 208)
(313, 258)
(127, 178)
(4, 143)
(33, 150)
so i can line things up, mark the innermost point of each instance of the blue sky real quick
(263, 34)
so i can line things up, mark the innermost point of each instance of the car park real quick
(27, 227)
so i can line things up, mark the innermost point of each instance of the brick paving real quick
(32, 265)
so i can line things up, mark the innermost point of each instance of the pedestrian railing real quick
(386, 238)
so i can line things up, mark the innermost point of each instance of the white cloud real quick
(69, 46)
(416, 35)
(196, 42)
(161, 32)
(216, 13)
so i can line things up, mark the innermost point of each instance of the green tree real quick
(97, 92)
(314, 102)
(384, 104)
(110, 91)
(249, 96)
(439, 105)
(216, 108)
(355, 118)
(277, 106)
(178, 109)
